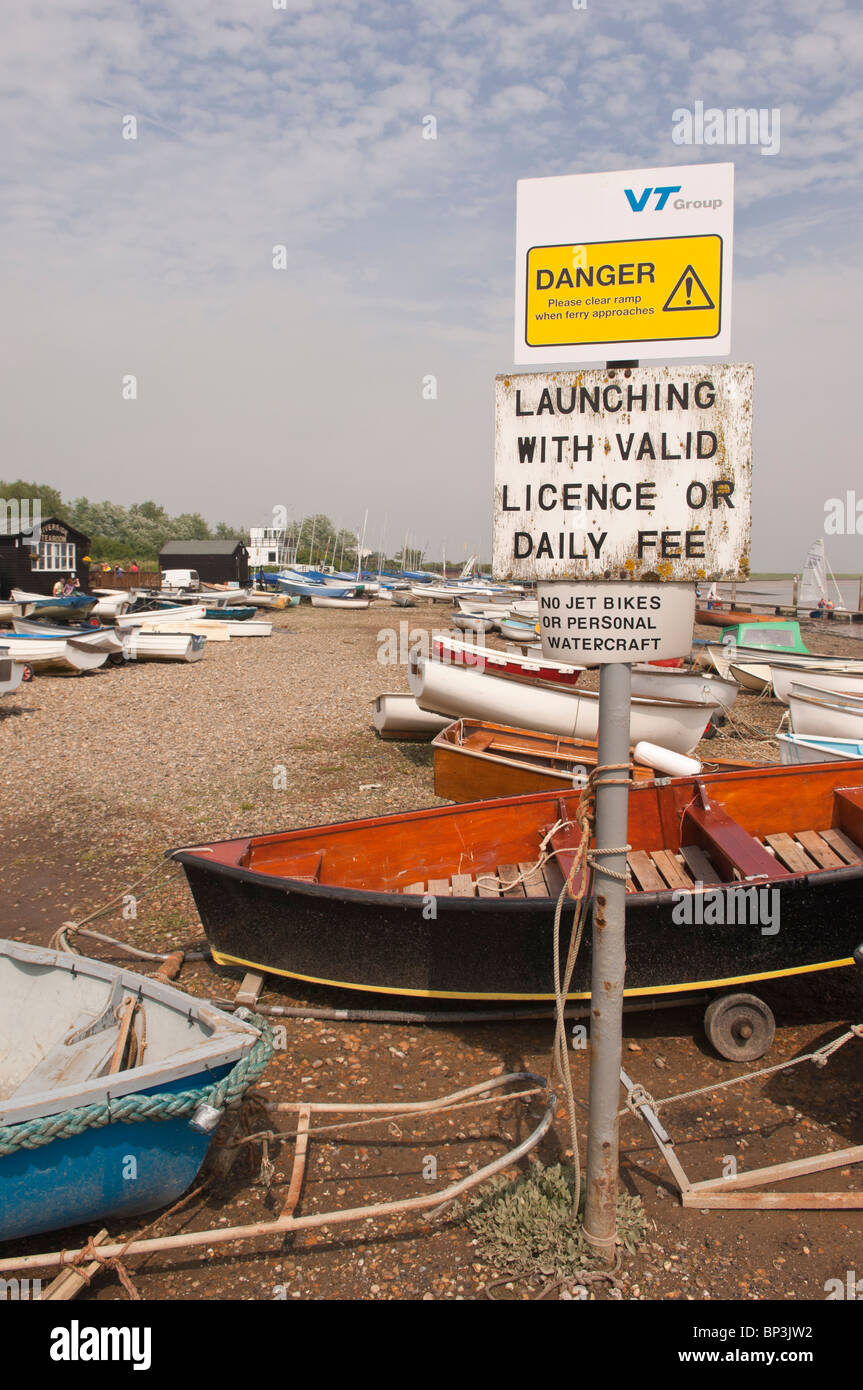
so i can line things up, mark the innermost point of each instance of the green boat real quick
(778, 636)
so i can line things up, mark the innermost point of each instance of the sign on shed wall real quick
(635, 264)
(624, 473)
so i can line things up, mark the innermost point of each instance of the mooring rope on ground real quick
(60, 940)
(639, 1095)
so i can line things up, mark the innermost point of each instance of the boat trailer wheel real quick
(740, 1026)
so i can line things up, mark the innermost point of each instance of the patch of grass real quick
(525, 1225)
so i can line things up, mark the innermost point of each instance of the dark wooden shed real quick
(217, 562)
(35, 558)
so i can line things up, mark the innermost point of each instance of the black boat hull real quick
(471, 948)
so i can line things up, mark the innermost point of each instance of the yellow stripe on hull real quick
(221, 959)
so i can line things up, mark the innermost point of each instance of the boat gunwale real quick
(395, 897)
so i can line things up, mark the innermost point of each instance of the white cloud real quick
(302, 127)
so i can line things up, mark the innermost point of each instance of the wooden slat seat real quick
(658, 870)
(845, 847)
(645, 873)
(672, 868)
(533, 881)
(818, 849)
(554, 879)
(511, 884)
(463, 886)
(790, 853)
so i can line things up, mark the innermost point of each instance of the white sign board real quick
(634, 264)
(639, 473)
(596, 624)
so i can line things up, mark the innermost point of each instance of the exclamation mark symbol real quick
(689, 289)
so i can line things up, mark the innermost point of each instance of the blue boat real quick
(105, 1082)
(304, 587)
(817, 748)
(62, 609)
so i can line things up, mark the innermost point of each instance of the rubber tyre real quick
(740, 1027)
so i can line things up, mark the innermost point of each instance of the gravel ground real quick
(102, 773)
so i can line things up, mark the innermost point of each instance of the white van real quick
(180, 579)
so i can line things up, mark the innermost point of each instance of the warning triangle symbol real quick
(688, 293)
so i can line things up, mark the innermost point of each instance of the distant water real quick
(779, 591)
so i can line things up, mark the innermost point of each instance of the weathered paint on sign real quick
(624, 473)
(598, 624)
(637, 258)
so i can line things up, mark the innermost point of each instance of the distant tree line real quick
(122, 533)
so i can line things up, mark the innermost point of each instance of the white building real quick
(268, 546)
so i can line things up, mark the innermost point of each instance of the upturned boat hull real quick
(465, 692)
(398, 717)
(428, 904)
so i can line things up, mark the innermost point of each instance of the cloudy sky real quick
(302, 126)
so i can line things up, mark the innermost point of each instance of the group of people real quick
(65, 587)
(118, 569)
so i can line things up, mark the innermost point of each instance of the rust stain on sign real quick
(624, 473)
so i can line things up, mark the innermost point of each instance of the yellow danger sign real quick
(624, 291)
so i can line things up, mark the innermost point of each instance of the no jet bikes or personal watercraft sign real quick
(634, 264)
(639, 473)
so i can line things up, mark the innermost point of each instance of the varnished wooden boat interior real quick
(743, 827)
(475, 759)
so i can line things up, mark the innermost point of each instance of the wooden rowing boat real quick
(474, 761)
(64, 608)
(724, 617)
(324, 601)
(459, 901)
(101, 639)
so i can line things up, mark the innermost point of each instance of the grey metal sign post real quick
(609, 958)
(608, 965)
